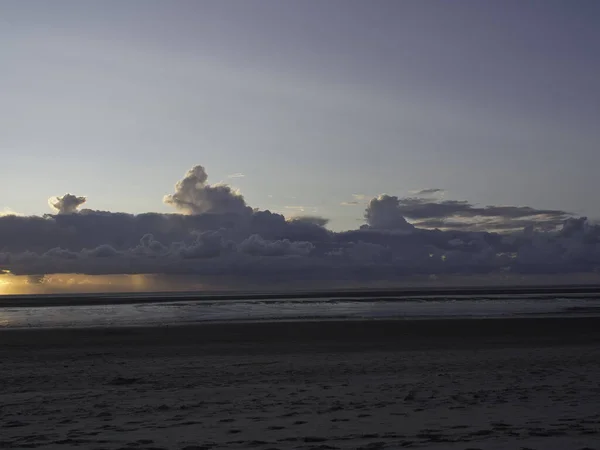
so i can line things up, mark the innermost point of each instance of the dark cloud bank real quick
(216, 233)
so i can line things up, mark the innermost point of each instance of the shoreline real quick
(350, 334)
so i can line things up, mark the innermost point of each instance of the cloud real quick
(427, 192)
(368, 254)
(215, 233)
(256, 245)
(420, 208)
(9, 212)
(194, 196)
(67, 204)
(208, 244)
(310, 220)
(455, 214)
(358, 199)
(363, 252)
(236, 175)
(384, 212)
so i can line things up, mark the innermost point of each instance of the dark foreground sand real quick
(457, 384)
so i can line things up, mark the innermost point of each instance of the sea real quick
(117, 310)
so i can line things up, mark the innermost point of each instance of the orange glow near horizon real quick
(72, 283)
(11, 284)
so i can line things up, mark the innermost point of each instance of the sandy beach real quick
(444, 384)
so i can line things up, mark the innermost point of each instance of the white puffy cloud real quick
(194, 196)
(67, 204)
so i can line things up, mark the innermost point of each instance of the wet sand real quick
(447, 384)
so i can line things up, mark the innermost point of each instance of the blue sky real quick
(313, 101)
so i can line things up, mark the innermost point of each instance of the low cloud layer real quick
(215, 233)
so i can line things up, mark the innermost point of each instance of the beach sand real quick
(444, 384)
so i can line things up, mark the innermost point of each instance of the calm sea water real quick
(186, 312)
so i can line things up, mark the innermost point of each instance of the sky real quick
(496, 102)
(307, 107)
